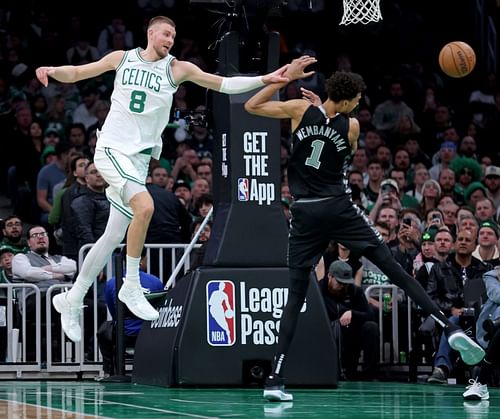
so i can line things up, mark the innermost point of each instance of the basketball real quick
(229, 313)
(457, 59)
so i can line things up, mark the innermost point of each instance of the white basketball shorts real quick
(125, 175)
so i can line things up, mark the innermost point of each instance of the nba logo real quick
(221, 325)
(242, 189)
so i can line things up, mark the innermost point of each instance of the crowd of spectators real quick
(427, 170)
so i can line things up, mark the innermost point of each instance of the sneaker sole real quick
(277, 396)
(470, 352)
(436, 381)
(143, 317)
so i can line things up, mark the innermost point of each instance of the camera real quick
(467, 321)
(469, 312)
(192, 118)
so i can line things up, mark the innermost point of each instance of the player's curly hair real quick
(344, 86)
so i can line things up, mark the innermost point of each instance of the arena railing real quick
(71, 357)
(15, 314)
(379, 291)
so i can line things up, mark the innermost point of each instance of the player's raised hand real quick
(43, 73)
(296, 68)
(277, 76)
(310, 96)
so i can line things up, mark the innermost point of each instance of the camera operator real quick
(447, 281)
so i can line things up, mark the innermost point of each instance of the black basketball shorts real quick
(317, 221)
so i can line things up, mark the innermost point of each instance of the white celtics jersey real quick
(140, 105)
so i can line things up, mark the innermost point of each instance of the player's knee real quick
(145, 210)
(142, 205)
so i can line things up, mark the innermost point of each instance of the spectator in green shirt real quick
(12, 230)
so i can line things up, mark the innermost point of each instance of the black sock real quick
(383, 258)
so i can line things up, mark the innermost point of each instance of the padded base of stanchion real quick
(187, 346)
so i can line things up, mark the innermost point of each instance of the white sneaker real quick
(476, 391)
(70, 316)
(274, 390)
(470, 352)
(133, 297)
(277, 394)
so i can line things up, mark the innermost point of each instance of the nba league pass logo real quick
(221, 324)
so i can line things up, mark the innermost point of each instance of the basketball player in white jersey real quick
(145, 82)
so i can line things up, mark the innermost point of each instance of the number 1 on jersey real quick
(313, 159)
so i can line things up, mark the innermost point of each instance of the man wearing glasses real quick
(13, 235)
(42, 269)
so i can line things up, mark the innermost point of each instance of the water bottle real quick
(387, 302)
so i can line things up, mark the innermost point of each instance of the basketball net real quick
(361, 11)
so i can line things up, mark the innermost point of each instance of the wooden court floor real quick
(89, 399)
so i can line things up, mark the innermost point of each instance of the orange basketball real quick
(457, 59)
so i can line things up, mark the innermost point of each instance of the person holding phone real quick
(408, 234)
(434, 217)
(387, 197)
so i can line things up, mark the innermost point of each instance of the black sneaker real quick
(490, 327)
(274, 389)
(438, 376)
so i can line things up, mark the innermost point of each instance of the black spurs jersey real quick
(320, 153)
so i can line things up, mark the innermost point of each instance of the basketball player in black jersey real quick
(324, 137)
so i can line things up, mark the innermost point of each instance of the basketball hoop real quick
(361, 11)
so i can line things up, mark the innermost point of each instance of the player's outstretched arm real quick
(74, 73)
(186, 71)
(262, 105)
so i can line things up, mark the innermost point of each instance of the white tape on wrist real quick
(239, 84)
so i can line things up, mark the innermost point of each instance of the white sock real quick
(132, 276)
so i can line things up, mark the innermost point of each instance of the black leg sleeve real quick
(299, 282)
(382, 257)
(491, 359)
